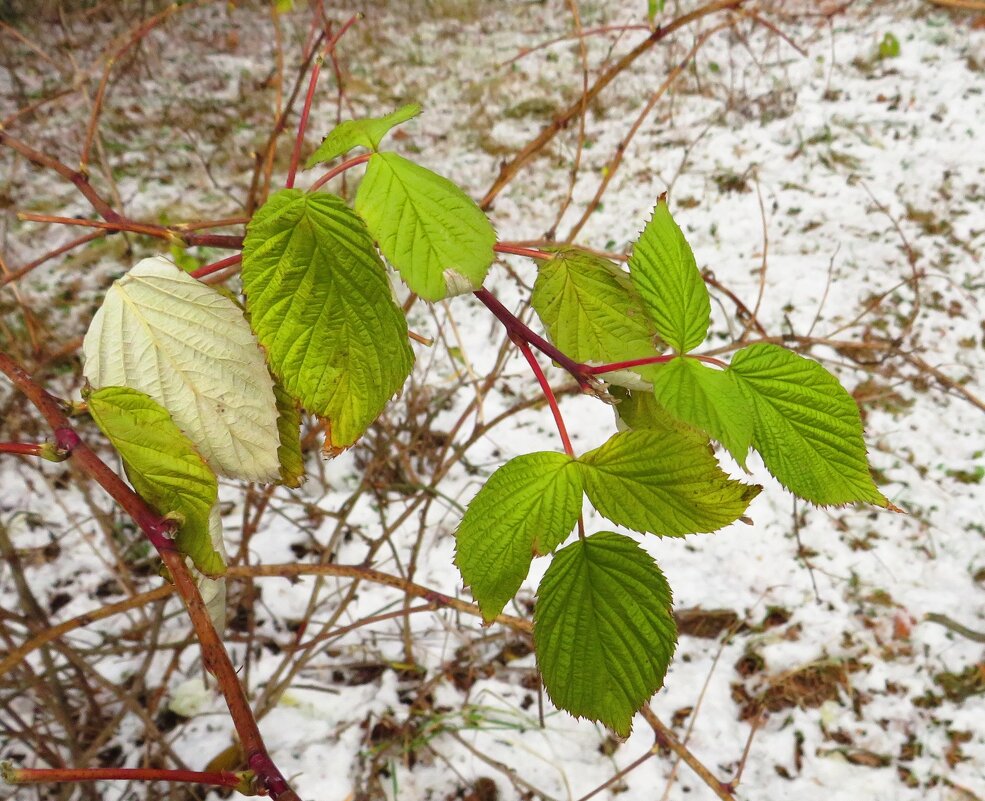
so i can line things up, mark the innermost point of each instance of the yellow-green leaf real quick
(163, 467)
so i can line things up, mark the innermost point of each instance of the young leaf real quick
(526, 508)
(429, 229)
(666, 276)
(591, 310)
(806, 426)
(667, 484)
(707, 399)
(603, 629)
(366, 133)
(639, 410)
(163, 467)
(289, 430)
(182, 343)
(320, 303)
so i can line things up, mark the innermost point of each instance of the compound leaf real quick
(526, 508)
(667, 278)
(430, 230)
(320, 303)
(806, 426)
(163, 467)
(667, 484)
(366, 133)
(592, 312)
(603, 629)
(182, 343)
(707, 399)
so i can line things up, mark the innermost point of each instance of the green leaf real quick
(889, 46)
(429, 229)
(289, 429)
(666, 276)
(320, 303)
(603, 629)
(806, 426)
(592, 312)
(163, 467)
(182, 343)
(707, 399)
(526, 508)
(667, 484)
(638, 410)
(366, 133)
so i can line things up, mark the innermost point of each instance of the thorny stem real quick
(548, 393)
(158, 530)
(224, 778)
(309, 97)
(341, 168)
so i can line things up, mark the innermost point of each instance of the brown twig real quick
(138, 33)
(608, 173)
(509, 169)
(965, 5)
(14, 775)
(666, 737)
(77, 177)
(22, 271)
(17, 655)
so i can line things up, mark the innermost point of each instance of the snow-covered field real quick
(838, 194)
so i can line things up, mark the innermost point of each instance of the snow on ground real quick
(864, 172)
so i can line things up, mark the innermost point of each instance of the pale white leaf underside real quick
(163, 333)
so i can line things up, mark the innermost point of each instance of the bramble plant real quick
(188, 385)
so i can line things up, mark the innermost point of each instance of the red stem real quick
(516, 328)
(548, 393)
(119, 223)
(225, 241)
(223, 778)
(306, 109)
(341, 168)
(303, 124)
(222, 264)
(608, 368)
(21, 448)
(516, 250)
